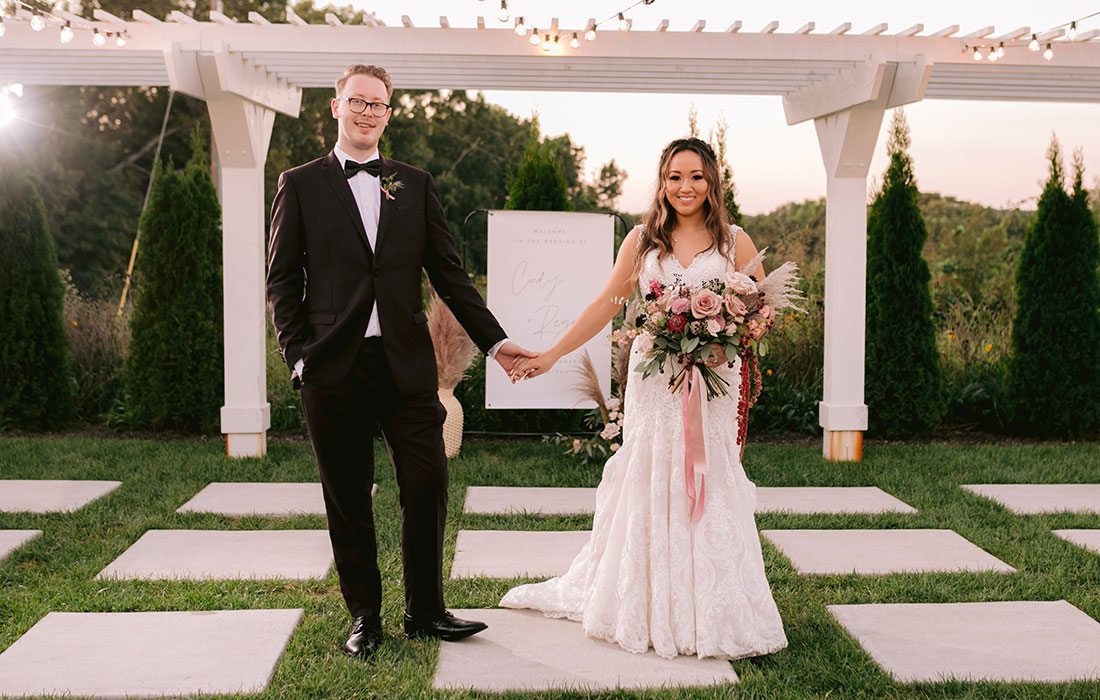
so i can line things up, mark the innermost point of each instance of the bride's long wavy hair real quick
(660, 220)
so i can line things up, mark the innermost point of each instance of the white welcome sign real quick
(544, 268)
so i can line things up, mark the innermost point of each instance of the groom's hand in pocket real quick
(509, 353)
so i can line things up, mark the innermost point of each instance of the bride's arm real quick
(595, 316)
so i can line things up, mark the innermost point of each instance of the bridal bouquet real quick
(692, 323)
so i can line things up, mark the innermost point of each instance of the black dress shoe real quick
(365, 637)
(446, 627)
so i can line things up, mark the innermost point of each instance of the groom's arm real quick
(450, 280)
(286, 272)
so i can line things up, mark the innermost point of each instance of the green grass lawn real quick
(55, 572)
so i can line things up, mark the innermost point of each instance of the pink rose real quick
(705, 303)
(715, 325)
(655, 288)
(735, 307)
(680, 305)
(741, 283)
(676, 323)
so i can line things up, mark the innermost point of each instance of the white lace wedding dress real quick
(649, 576)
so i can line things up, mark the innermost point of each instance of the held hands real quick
(533, 366)
(510, 353)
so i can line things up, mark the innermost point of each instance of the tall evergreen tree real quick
(174, 371)
(539, 184)
(729, 189)
(1054, 373)
(38, 385)
(904, 386)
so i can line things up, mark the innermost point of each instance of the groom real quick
(350, 234)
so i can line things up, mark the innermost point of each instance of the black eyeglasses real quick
(359, 106)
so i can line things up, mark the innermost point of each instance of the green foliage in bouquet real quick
(174, 372)
(539, 184)
(904, 385)
(38, 386)
(1054, 373)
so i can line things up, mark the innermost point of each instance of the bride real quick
(649, 575)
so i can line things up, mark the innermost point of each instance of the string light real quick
(1071, 33)
(38, 22)
(3, 29)
(97, 38)
(623, 24)
(546, 45)
(67, 33)
(575, 42)
(1001, 50)
(120, 39)
(534, 37)
(993, 55)
(977, 54)
(1034, 43)
(1049, 53)
(521, 28)
(590, 33)
(503, 15)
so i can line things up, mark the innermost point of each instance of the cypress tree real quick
(38, 388)
(539, 184)
(174, 370)
(729, 189)
(904, 386)
(1054, 372)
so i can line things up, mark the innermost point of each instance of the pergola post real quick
(242, 101)
(847, 111)
(842, 412)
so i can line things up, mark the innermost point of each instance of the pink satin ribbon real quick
(695, 440)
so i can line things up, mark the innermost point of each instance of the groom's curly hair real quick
(360, 69)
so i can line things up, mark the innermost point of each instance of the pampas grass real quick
(454, 351)
(588, 385)
(780, 288)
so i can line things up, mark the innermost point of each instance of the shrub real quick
(174, 372)
(37, 392)
(903, 383)
(99, 339)
(1054, 373)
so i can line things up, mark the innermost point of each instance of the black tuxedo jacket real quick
(323, 277)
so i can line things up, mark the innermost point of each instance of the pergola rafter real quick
(844, 80)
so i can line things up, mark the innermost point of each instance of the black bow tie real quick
(373, 167)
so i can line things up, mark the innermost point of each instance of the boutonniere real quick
(390, 186)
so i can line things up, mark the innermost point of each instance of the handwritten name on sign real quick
(544, 269)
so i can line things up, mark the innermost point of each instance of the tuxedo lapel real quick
(385, 205)
(334, 173)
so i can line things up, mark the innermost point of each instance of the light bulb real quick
(1001, 50)
(97, 38)
(590, 34)
(1034, 43)
(534, 38)
(1049, 53)
(3, 29)
(546, 44)
(1071, 33)
(575, 42)
(503, 15)
(977, 54)
(66, 33)
(120, 39)
(38, 22)
(521, 28)
(992, 55)
(623, 24)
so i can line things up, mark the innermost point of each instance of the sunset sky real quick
(988, 152)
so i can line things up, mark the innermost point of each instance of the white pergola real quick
(844, 81)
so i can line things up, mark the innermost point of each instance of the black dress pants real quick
(342, 423)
